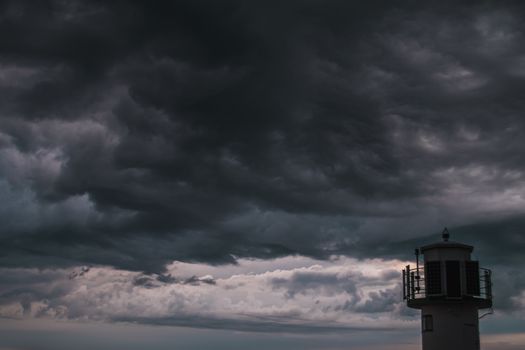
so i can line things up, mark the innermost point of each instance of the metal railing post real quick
(404, 286)
(488, 284)
(407, 274)
(412, 286)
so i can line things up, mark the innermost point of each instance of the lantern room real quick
(449, 289)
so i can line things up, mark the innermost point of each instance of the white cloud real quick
(298, 291)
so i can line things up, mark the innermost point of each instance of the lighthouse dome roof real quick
(447, 245)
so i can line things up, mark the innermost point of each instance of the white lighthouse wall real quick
(444, 254)
(455, 327)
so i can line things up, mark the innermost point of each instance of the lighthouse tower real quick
(449, 289)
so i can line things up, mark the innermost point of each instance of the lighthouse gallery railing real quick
(417, 286)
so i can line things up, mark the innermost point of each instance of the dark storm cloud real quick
(133, 134)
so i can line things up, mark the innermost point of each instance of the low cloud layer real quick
(291, 295)
(304, 295)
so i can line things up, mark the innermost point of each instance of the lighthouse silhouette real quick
(449, 289)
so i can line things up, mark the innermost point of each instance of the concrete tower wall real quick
(453, 327)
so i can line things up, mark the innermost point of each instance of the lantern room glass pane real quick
(472, 274)
(453, 279)
(433, 277)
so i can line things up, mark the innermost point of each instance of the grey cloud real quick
(195, 281)
(155, 281)
(110, 295)
(133, 135)
(381, 301)
(263, 325)
(305, 282)
(330, 284)
(79, 273)
(28, 286)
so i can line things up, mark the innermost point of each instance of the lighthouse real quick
(449, 289)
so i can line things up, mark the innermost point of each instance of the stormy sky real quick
(253, 174)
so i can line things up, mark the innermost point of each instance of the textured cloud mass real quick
(306, 294)
(135, 136)
(205, 130)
